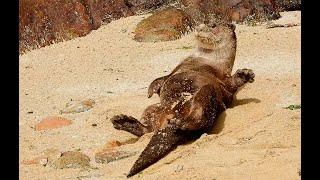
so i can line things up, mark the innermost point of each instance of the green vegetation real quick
(293, 107)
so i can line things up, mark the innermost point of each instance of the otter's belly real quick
(182, 86)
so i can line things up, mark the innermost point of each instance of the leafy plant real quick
(293, 106)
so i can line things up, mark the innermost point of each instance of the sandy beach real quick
(255, 139)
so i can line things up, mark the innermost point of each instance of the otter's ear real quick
(232, 26)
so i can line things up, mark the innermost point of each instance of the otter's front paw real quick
(246, 75)
(155, 87)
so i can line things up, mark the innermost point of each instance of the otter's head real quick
(215, 36)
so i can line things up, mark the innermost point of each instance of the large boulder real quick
(138, 6)
(163, 25)
(42, 22)
(104, 11)
(288, 5)
(204, 11)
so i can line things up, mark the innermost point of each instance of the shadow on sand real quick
(219, 123)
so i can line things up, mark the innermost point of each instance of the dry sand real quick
(256, 139)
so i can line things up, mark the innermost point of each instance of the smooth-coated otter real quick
(191, 96)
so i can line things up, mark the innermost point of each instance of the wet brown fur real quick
(191, 96)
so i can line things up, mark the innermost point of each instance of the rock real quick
(138, 6)
(207, 11)
(164, 25)
(109, 155)
(288, 5)
(94, 125)
(43, 22)
(78, 106)
(106, 10)
(71, 159)
(112, 144)
(52, 123)
(43, 159)
(179, 168)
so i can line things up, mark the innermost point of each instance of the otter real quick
(191, 97)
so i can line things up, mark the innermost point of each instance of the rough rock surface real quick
(164, 25)
(203, 11)
(288, 5)
(43, 22)
(138, 6)
(104, 11)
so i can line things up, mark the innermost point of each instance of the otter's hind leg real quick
(153, 116)
(129, 124)
(202, 108)
(150, 121)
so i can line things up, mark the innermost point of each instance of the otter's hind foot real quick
(129, 124)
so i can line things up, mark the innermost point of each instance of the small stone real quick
(43, 162)
(78, 106)
(109, 155)
(37, 160)
(112, 144)
(71, 159)
(52, 123)
(43, 159)
(179, 168)
(94, 125)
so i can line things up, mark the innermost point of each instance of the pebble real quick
(37, 160)
(78, 106)
(110, 155)
(94, 125)
(46, 156)
(52, 123)
(112, 144)
(71, 159)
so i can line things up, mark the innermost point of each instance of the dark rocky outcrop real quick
(288, 5)
(42, 22)
(138, 6)
(104, 11)
(164, 25)
(204, 11)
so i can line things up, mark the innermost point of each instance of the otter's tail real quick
(161, 143)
